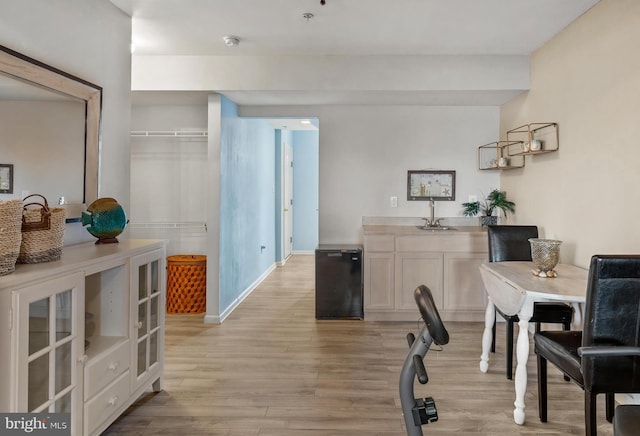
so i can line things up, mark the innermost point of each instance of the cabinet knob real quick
(83, 359)
(113, 400)
(113, 366)
(139, 325)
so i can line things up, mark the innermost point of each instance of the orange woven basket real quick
(186, 283)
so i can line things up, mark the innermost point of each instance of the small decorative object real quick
(526, 146)
(105, 219)
(503, 162)
(545, 254)
(42, 231)
(10, 234)
(496, 200)
(536, 145)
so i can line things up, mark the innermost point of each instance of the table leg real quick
(522, 354)
(487, 336)
(577, 314)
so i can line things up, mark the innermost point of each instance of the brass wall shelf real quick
(533, 138)
(494, 156)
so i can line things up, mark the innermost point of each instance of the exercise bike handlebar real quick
(421, 371)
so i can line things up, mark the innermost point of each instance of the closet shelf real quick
(170, 133)
(189, 226)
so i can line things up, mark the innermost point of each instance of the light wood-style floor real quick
(271, 369)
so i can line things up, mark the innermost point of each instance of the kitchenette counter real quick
(399, 256)
(379, 229)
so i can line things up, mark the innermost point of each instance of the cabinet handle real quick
(113, 400)
(138, 325)
(113, 366)
(83, 359)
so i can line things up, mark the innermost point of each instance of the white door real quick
(287, 201)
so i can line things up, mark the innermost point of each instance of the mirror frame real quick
(33, 71)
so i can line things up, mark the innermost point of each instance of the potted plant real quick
(495, 201)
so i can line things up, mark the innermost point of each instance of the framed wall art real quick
(6, 178)
(425, 185)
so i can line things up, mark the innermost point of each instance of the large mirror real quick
(49, 131)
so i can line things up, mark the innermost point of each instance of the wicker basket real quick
(42, 232)
(10, 235)
(186, 284)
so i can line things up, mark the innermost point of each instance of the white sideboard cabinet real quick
(84, 335)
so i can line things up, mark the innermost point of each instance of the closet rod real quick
(170, 133)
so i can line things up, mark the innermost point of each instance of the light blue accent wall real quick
(305, 190)
(247, 202)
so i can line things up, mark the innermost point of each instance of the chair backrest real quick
(612, 317)
(430, 315)
(510, 242)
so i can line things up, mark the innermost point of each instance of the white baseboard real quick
(218, 319)
(312, 253)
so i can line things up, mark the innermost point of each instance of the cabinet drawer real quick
(374, 243)
(451, 242)
(98, 409)
(104, 369)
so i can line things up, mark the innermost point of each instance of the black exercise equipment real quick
(419, 411)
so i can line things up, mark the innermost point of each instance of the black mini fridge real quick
(339, 282)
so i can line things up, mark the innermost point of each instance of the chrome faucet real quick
(432, 222)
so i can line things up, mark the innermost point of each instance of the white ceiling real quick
(348, 27)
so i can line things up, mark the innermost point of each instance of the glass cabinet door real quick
(148, 290)
(50, 347)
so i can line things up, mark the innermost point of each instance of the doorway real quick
(297, 188)
(287, 200)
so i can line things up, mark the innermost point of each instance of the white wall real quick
(587, 79)
(365, 152)
(416, 77)
(89, 39)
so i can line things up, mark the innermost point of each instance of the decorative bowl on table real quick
(545, 254)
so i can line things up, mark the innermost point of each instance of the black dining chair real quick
(511, 243)
(611, 321)
(626, 418)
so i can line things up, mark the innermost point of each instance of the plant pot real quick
(488, 220)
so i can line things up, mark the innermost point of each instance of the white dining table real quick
(513, 288)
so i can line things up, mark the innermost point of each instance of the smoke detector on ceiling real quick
(231, 41)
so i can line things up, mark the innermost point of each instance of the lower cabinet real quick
(464, 292)
(378, 280)
(396, 264)
(48, 345)
(413, 270)
(147, 313)
(86, 332)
